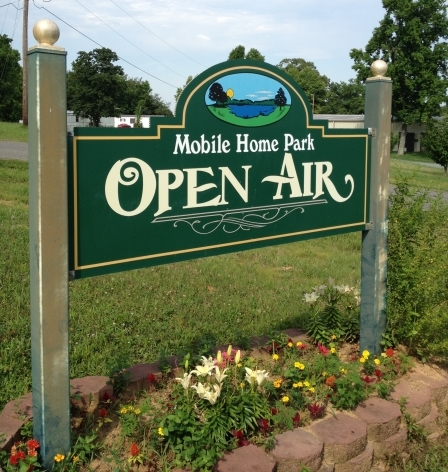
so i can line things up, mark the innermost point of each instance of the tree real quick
(344, 98)
(436, 142)
(307, 76)
(280, 99)
(95, 86)
(179, 90)
(217, 93)
(10, 81)
(410, 39)
(138, 96)
(240, 53)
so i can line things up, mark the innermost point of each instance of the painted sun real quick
(230, 93)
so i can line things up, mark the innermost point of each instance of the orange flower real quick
(330, 381)
(134, 451)
(389, 352)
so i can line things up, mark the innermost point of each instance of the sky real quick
(165, 41)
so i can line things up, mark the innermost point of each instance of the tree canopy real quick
(344, 98)
(95, 86)
(410, 39)
(240, 53)
(10, 81)
(436, 142)
(179, 90)
(308, 77)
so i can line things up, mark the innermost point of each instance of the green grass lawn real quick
(13, 132)
(163, 310)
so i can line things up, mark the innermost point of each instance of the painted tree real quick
(410, 38)
(217, 93)
(280, 99)
(10, 81)
(436, 142)
(95, 86)
(308, 77)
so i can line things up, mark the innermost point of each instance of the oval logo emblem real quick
(248, 99)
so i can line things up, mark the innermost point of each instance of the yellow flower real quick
(344, 371)
(362, 360)
(75, 459)
(365, 354)
(124, 410)
(299, 365)
(59, 457)
(383, 354)
(324, 374)
(295, 385)
(333, 350)
(311, 389)
(333, 336)
(290, 344)
(277, 383)
(160, 431)
(242, 384)
(307, 384)
(300, 384)
(299, 343)
(137, 411)
(285, 399)
(239, 364)
(377, 361)
(275, 357)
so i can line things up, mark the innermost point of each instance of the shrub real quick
(417, 282)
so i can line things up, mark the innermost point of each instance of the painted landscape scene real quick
(248, 99)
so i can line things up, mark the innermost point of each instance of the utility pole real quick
(25, 64)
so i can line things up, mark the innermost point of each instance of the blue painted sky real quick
(251, 86)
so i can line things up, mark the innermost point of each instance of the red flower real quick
(323, 350)
(134, 451)
(106, 397)
(151, 378)
(330, 381)
(296, 420)
(238, 434)
(389, 352)
(103, 412)
(264, 425)
(14, 460)
(274, 411)
(378, 373)
(368, 379)
(315, 410)
(32, 444)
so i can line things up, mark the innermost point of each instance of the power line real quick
(115, 31)
(98, 44)
(161, 39)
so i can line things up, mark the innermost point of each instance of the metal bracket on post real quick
(49, 242)
(372, 132)
(369, 226)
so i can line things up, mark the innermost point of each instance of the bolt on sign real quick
(242, 165)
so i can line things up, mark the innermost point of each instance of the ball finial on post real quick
(378, 68)
(46, 32)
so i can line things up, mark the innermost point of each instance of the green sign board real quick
(242, 165)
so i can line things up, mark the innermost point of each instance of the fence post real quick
(49, 242)
(378, 105)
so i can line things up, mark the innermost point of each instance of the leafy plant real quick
(116, 367)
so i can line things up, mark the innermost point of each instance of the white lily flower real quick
(220, 375)
(261, 375)
(201, 390)
(202, 370)
(330, 281)
(310, 297)
(208, 362)
(251, 376)
(211, 397)
(185, 381)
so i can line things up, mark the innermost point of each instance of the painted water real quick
(251, 111)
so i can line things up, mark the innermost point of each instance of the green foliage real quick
(179, 90)
(116, 367)
(308, 77)
(350, 391)
(417, 283)
(334, 313)
(436, 142)
(10, 81)
(410, 38)
(95, 86)
(394, 140)
(345, 98)
(239, 52)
